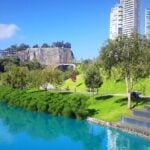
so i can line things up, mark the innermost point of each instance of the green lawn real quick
(80, 86)
(109, 108)
(109, 86)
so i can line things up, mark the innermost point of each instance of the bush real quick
(66, 104)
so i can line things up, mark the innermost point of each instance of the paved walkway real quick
(103, 94)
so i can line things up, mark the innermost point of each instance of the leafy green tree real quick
(131, 55)
(45, 45)
(7, 61)
(22, 47)
(16, 77)
(35, 78)
(49, 75)
(36, 46)
(61, 44)
(67, 45)
(32, 65)
(92, 78)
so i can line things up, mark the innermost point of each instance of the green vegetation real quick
(121, 68)
(93, 78)
(80, 86)
(109, 108)
(110, 86)
(23, 46)
(66, 104)
(131, 55)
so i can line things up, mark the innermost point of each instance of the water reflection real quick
(33, 126)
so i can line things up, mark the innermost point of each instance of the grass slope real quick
(109, 86)
(109, 108)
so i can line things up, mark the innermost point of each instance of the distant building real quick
(125, 18)
(147, 22)
(1, 53)
(116, 20)
(131, 16)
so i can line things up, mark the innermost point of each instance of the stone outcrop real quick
(51, 56)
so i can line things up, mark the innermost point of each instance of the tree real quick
(22, 47)
(7, 61)
(35, 78)
(61, 44)
(45, 45)
(11, 49)
(93, 78)
(16, 77)
(36, 46)
(32, 65)
(49, 75)
(67, 45)
(131, 55)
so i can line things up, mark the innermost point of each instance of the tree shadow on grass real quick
(79, 84)
(92, 112)
(65, 93)
(37, 91)
(122, 101)
(139, 101)
(103, 97)
(136, 102)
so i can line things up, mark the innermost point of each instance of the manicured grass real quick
(109, 86)
(109, 108)
(143, 86)
(112, 87)
(80, 86)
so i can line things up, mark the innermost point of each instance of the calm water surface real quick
(23, 130)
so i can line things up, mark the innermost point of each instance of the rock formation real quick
(51, 56)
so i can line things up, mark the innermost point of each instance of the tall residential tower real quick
(131, 16)
(147, 22)
(125, 18)
(116, 17)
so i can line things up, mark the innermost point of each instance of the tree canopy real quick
(93, 78)
(131, 54)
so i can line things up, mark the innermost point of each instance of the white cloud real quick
(8, 30)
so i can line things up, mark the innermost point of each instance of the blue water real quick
(23, 130)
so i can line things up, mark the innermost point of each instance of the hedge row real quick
(66, 104)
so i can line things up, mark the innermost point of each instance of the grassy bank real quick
(107, 108)
(109, 86)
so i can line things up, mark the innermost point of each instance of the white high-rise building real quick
(147, 22)
(125, 18)
(116, 17)
(131, 16)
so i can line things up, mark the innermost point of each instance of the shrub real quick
(66, 104)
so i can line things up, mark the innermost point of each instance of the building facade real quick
(131, 16)
(116, 20)
(125, 18)
(147, 22)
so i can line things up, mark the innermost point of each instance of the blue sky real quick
(83, 23)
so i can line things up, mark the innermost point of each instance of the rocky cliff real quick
(51, 56)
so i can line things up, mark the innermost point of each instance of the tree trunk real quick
(128, 90)
(97, 90)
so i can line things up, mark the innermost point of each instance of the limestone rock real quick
(51, 56)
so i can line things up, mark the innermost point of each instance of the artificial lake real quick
(24, 130)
